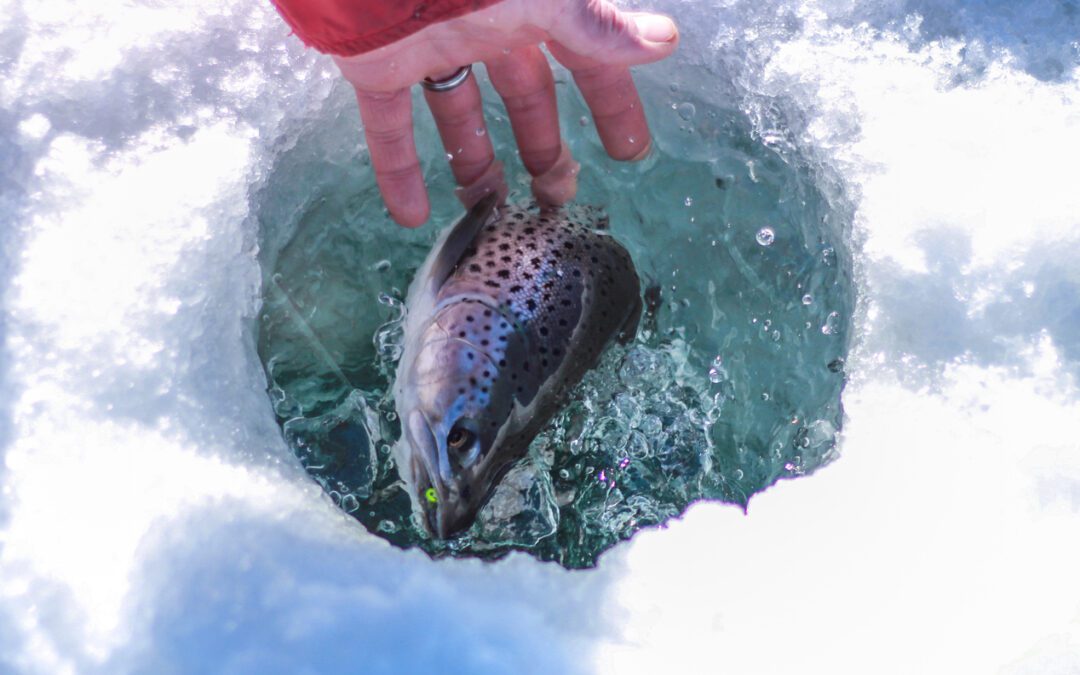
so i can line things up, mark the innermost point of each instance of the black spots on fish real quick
(470, 355)
(550, 276)
(469, 318)
(461, 334)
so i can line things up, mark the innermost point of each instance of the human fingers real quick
(598, 30)
(524, 81)
(597, 42)
(613, 100)
(459, 117)
(388, 128)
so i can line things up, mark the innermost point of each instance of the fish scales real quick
(541, 274)
(527, 307)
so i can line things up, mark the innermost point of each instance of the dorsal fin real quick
(460, 236)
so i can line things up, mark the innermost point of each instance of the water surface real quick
(733, 383)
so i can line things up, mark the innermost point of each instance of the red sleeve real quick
(350, 27)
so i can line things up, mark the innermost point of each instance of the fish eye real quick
(459, 438)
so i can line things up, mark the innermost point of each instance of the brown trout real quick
(505, 316)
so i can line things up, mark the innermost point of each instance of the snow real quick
(152, 519)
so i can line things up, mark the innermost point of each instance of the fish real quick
(507, 313)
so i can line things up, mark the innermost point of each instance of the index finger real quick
(388, 128)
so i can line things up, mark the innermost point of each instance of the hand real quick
(592, 38)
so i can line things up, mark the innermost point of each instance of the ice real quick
(152, 518)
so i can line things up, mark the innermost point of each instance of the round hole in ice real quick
(730, 386)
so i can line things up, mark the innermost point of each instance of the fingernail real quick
(655, 27)
(643, 153)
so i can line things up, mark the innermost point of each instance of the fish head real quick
(454, 403)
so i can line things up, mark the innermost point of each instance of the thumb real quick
(597, 30)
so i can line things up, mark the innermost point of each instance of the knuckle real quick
(386, 136)
(603, 21)
(399, 174)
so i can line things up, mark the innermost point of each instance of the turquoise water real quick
(733, 383)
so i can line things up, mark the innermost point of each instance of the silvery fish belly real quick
(507, 313)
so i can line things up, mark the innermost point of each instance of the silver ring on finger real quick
(452, 82)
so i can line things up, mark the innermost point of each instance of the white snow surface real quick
(153, 520)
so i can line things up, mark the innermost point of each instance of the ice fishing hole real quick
(731, 385)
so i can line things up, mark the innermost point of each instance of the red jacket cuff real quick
(350, 27)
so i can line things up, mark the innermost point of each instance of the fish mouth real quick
(447, 512)
(457, 504)
(446, 502)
